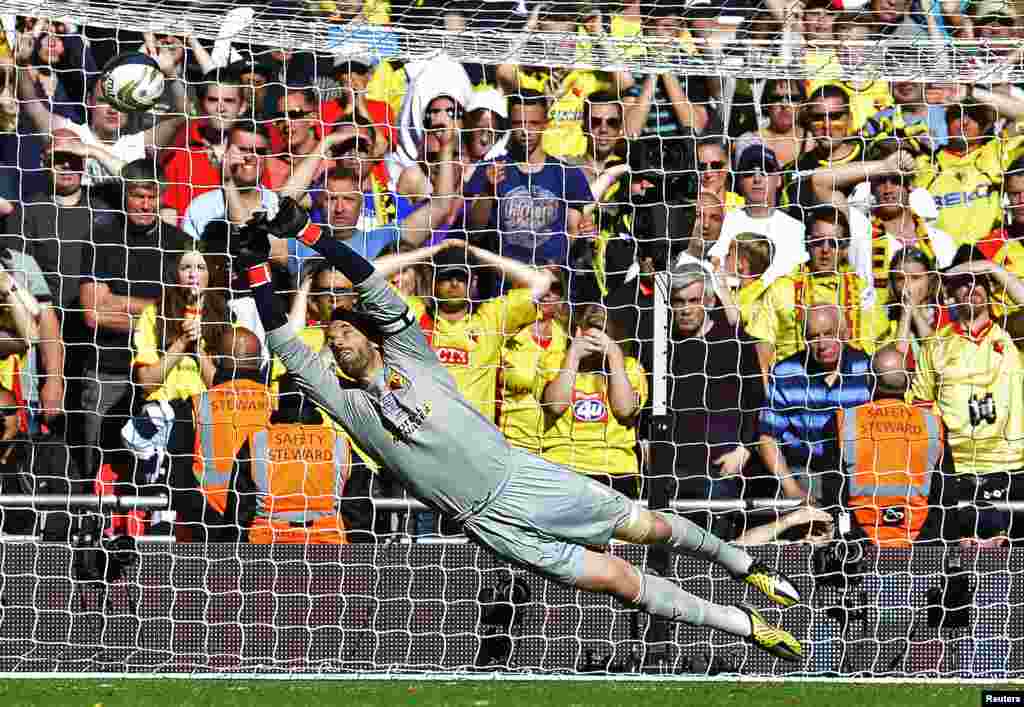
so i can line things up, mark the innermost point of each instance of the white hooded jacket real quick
(427, 80)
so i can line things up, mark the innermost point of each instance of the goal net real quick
(165, 510)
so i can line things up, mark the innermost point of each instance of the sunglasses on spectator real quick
(293, 115)
(713, 166)
(613, 123)
(355, 145)
(821, 118)
(778, 99)
(833, 243)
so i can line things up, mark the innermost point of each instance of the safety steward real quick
(893, 462)
(227, 414)
(289, 478)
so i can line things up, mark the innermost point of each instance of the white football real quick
(132, 82)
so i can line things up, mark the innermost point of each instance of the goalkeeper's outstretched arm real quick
(378, 301)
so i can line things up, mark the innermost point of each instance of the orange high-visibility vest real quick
(300, 473)
(889, 450)
(225, 417)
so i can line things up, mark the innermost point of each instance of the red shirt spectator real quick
(195, 169)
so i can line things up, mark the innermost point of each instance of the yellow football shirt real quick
(184, 380)
(749, 298)
(780, 319)
(957, 365)
(471, 348)
(966, 187)
(587, 437)
(522, 417)
(387, 84)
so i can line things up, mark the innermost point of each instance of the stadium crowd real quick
(844, 258)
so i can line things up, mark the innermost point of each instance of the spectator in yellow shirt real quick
(825, 279)
(965, 176)
(468, 336)
(973, 374)
(592, 400)
(175, 341)
(522, 379)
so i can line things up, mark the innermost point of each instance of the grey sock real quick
(688, 537)
(663, 598)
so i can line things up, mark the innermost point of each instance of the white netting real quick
(752, 42)
(413, 595)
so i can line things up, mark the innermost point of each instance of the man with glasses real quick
(298, 118)
(241, 195)
(779, 323)
(828, 121)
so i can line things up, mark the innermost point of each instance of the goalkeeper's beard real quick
(355, 364)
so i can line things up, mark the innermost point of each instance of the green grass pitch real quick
(410, 693)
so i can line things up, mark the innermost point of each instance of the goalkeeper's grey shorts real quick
(545, 514)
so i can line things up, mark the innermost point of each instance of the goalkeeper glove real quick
(292, 221)
(250, 246)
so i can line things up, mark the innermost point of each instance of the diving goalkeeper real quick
(404, 411)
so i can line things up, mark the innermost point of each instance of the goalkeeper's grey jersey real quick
(413, 419)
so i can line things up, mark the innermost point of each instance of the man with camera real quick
(972, 373)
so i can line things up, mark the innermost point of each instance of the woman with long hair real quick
(915, 305)
(177, 339)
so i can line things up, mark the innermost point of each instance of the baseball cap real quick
(758, 158)
(453, 263)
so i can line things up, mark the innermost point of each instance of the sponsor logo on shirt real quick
(451, 356)
(396, 381)
(893, 515)
(589, 407)
(529, 216)
(960, 198)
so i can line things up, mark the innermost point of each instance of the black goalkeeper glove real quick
(250, 245)
(292, 221)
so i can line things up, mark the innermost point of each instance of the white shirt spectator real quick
(128, 148)
(785, 233)
(211, 207)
